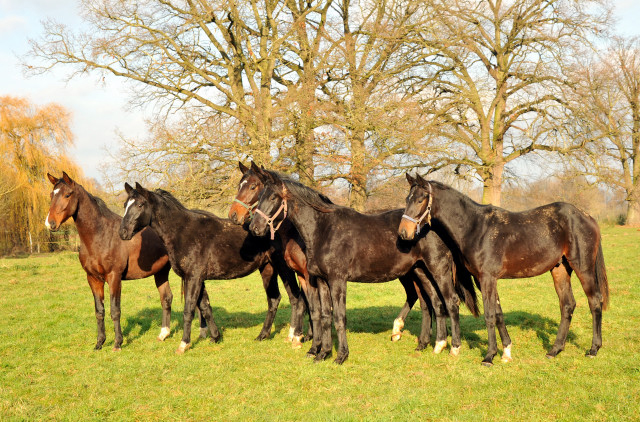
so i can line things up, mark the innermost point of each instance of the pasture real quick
(49, 370)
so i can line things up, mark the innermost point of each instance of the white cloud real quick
(12, 23)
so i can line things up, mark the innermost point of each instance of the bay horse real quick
(202, 246)
(342, 244)
(107, 258)
(249, 188)
(496, 243)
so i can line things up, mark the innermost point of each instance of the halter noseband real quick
(248, 207)
(426, 214)
(283, 207)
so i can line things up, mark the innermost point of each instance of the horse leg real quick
(270, 284)
(166, 298)
(313, 297)
(339, 300)
(115, 290)
(594, 296)
(306, 303)
(192, 287)
(502, 329)
(440, 312)
(562, 282)
(206, 315)
(325, 316)
(410, 289)
(295, 299)
(97, 288)
(489, 299)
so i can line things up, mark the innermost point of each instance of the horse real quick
(202, 246)
(241, 211)
(342, 244)
(107, 258)
(496, 243)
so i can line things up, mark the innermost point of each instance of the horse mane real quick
(172, 201)
(309, 196)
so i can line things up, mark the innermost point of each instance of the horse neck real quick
(90, 223)
(305, 219)
(455, 212)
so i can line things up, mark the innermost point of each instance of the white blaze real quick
(46, 222)
(131, 202)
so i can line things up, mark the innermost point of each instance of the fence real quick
(13, 243)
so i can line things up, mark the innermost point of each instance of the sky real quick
(100, 108)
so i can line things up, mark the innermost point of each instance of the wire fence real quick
(15, 243)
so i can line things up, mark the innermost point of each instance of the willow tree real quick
(607, 115)
(500, 79)
(33, 141)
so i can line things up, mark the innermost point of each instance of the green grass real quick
(48, 369)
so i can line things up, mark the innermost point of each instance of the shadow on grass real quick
(136, 326)
(373, 320)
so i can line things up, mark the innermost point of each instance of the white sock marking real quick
(440, 345)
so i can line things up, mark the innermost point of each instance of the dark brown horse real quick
(496, 243)
(341, 244)
(202, 246)
(241, 212)
(107, 258)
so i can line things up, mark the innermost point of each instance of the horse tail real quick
(601, 277)
(465, 287)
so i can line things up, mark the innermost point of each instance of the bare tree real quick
(607, 107)
(218, 55)
(498, 79)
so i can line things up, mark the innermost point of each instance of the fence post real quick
(30, 244)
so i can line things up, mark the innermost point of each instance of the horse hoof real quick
(396, 337)
(455, 351)
(439, 347)
(487, 364)
(164, 333)
(296, 343)
(261, 337)
(340, 359)
(204, 333)
(117, 349)
(183, 348)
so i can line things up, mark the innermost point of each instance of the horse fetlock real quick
(183, 347)
(506, 354)
(396, 333)
(439, 346)
(290, 336)
(164, 333)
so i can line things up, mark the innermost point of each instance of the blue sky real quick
(99, 108)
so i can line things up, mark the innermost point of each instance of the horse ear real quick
(128, 188)
(242, 167)
(142, 191)
(52, 179)
(272, 178)
(410, 179)
(67, 179)
(255, 167)
(420, 180)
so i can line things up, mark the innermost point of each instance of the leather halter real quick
(248, 207)
(426, 214)
(283, 207)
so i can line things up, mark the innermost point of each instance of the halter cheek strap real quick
(283, 209)
(425, 215)
(248, 207)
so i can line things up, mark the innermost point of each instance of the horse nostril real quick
(234, 217)
(403, 234)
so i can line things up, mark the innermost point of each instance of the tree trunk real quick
(305, 145)
(633, 211)
(492, 185)
(358, 172)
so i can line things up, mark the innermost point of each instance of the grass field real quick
(48, 369)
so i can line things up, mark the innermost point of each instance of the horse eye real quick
(67, 195)
(253, 187)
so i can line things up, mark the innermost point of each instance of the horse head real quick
(246, 199)
(137, 211)
(64, 201)
(418, 208)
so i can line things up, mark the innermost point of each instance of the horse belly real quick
(530, 263)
